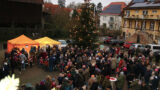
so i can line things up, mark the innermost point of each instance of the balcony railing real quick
(143, 17)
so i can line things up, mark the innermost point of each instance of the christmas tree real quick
(84, 31)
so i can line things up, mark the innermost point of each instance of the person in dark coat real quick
(79, 80)
(51, 61)
(157, 57)
(147, 75)
(60, 78)
(12, 64)
(155, 82)
(1, 73)
(6, 69)
(94, 86)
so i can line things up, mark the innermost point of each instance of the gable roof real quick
(51, 8)
(28, 1)
(114, 8)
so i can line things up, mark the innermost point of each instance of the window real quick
(125, 23)
(130, 24)
(127, 13)
(148, 46)
(111, 19)
(143, 25)
(154, 11)
(136, 24)
(129, 34)
(145, 12)
(139, 46)
(136, 11)
(104, 17)
(159, 26)
(111, 26)
(156, 47)
(152, 25)
(26, 46)
(104, 25)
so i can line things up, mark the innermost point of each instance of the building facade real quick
(20, 17)
(110, 17)
(20, 13)
(142, 17)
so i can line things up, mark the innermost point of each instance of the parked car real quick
(138, 46)
(63, 43)
(107, 40)
(69, 41)
(153, 47)
(114, 42)
(121, 43)
(127, 44)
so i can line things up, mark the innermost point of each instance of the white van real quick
(136, 45)
(153, 47)
(63, 43)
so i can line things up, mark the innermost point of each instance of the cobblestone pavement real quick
(34, 75)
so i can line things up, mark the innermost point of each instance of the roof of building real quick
(144, 5)
(138, 1)
(114, 8)
(29, 1)
(51, 8)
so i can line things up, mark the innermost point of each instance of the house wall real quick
(19, 13)
(137, 15)
(105, 19)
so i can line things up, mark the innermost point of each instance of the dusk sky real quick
(104, 2)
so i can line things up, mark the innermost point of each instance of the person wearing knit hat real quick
(106, 85)
(156, 69)
(84, 66)
(92, 76)
(91, 81)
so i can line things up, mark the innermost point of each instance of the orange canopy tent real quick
(21, 42)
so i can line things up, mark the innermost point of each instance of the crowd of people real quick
(88, 69)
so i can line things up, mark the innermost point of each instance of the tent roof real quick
(21, 40)
(47, 40)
